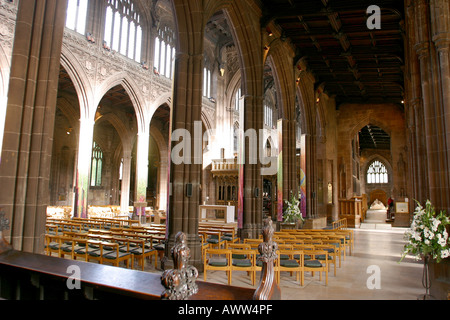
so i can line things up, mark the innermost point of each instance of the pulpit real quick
(351, 210)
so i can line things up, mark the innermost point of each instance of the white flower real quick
(427, 242)
(445, 254)
(442, 242)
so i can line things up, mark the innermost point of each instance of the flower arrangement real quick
(292, 212)
(428, 235)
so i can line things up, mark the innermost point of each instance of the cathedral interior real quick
(169, 111)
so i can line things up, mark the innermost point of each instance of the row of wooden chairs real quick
(346, 236)
(103, 246)
(293, 259)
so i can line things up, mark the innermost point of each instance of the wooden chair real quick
(53, 244)
(142, 252)
(315, 265)
(247, 264)
(217, 259)
(214, 239)
(293, 264)
(81, 248)
(332, 257)
(111, 252)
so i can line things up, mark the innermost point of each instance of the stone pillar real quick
(83, 172)
(186, 175)
(414, 115)
(28, 135)
(140, 201)
(440, 27)
(250, 174)
(311, 177)
(287, 163)
(126, 182)
(433, 102)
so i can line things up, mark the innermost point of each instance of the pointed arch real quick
(134, 94)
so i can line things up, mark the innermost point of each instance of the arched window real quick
(207, 82)
(237, 99)
(377, 173)
(96, 166)
(268, 115)
(123, 30)
(236, 137)
(76, 15)
(164, 52)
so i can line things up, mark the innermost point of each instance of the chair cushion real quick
(139, 251)
(53, 245)
(239, 256)
(322, 257)
(66, 247)
(227, 238)
(213, 241)
(218, 262)
(289, 263)
(313, 264)
(113, 255)
(242, 263)
(159, 246)
(284, 257)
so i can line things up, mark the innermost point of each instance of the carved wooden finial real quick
(4, 225)
(268, 289)
(180, 282)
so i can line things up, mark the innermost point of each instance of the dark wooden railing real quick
(27, 276)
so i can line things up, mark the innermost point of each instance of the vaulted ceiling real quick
(352, 62)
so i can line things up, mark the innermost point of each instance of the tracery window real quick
(207, 82)
(377, 173)
(76, 15)
(237, 99)
(96, 166)
(123, 29)
(268, 115)
(164, 52)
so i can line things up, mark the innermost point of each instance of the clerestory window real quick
(77, 15)
(164, 52)
(123, 29)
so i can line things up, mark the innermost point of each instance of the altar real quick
(221, 213)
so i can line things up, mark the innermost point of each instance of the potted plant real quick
(292, 213)
(427, 239)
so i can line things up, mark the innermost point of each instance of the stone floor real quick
(375, 249)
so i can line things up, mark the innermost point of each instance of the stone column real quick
(126, 182)
(434, 120)
(440, 27)
(83, 172)
(250, 174)
(414, 113)
(185, 175)
(28, 135)
(287, 166)
(140, 201)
